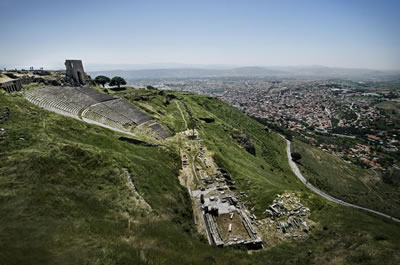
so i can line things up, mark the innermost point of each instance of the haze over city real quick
(165, 34)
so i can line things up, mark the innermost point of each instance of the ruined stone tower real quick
(75, 73)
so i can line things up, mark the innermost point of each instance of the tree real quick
(296, 157)
(102, 80)
(151, 88)
(117, 81)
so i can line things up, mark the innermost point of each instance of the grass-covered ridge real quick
(64, 198)
(346, 181)
(63, 187)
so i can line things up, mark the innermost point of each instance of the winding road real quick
(297, 172)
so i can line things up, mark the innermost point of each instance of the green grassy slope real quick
(63, 189)
(348, 182)
(64, 198)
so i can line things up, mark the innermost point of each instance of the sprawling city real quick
(357, 121)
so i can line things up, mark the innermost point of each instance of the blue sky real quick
(359, 33)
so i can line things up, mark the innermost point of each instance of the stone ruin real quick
(289, 215)
(224, 214)
(12, 86)
(75, 74)
(79, 101)
(16, 84)
(5, 115)
(215, 207)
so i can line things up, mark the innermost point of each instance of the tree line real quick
(115, 81)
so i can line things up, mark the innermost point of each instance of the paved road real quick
(297, 172)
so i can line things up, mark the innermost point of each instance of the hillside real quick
(346, 181)
(66, 198)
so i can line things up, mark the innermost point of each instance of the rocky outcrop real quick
(207, 120)
(244, 141)
(241, 139)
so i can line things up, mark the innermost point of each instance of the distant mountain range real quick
(295, 72)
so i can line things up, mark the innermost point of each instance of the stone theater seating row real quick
(93, 107)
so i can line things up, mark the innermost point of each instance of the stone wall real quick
(75, 73)
(15, 85)
(11, 86)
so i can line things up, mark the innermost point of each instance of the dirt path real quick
(183, 116)
(189, 176)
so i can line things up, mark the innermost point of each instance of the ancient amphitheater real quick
(91, 106)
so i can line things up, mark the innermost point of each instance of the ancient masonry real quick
(75, 73)
(289, 216)
(221, 211)
(15, 85)
(84, 103)
(223, 214)
(5, 116)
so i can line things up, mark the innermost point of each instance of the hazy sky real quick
(359, 33)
